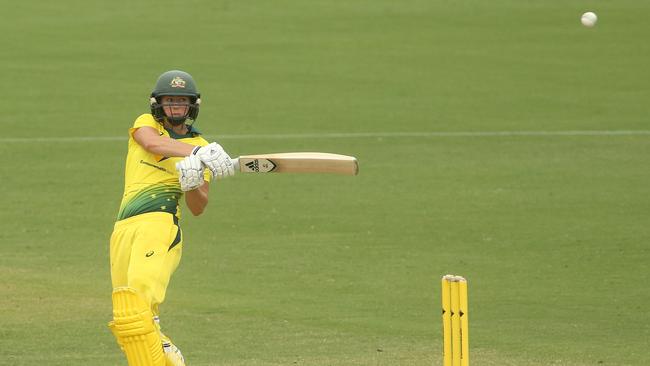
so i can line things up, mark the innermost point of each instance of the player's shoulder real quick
(145, 119)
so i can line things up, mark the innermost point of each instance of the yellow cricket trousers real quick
(144, 252)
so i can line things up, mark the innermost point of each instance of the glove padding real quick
(190, 173)
(216, 159)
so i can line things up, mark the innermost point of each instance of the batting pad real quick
(135, 330)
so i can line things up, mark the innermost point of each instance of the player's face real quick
(175, 106)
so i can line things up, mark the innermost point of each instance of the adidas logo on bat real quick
(254, 166)
(258, 165)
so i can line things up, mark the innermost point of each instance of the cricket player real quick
(166, 162)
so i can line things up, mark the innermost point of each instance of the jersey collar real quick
(191, 132)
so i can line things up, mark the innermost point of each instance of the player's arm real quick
(153, 142)
(213, 155)
(197, 199)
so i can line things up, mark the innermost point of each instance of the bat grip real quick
(235, 163)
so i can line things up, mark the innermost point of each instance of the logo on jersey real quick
(177, 82)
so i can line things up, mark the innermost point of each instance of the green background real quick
(551, 229)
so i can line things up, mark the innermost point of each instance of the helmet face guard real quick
(175, 83)
(158, 110)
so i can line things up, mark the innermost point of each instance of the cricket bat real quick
(297, 162)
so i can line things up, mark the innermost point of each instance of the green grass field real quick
(551, 229)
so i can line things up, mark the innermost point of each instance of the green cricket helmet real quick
(175, 83)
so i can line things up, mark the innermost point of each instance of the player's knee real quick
(131, 313)
(144, 288)
(134, 328)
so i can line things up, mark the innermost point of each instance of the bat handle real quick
(235, 163)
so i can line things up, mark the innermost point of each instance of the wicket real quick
(455, 322)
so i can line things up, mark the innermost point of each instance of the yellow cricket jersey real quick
(150, 181)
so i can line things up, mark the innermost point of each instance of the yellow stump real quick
(455, 323)
(446, 322)
(464, 322)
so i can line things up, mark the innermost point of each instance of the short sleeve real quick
(145, 120)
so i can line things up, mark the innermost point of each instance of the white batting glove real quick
(190, 173)
(216, 159)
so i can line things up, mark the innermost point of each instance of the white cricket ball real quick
(589, 19)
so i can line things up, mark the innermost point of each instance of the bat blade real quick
(297, 162)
